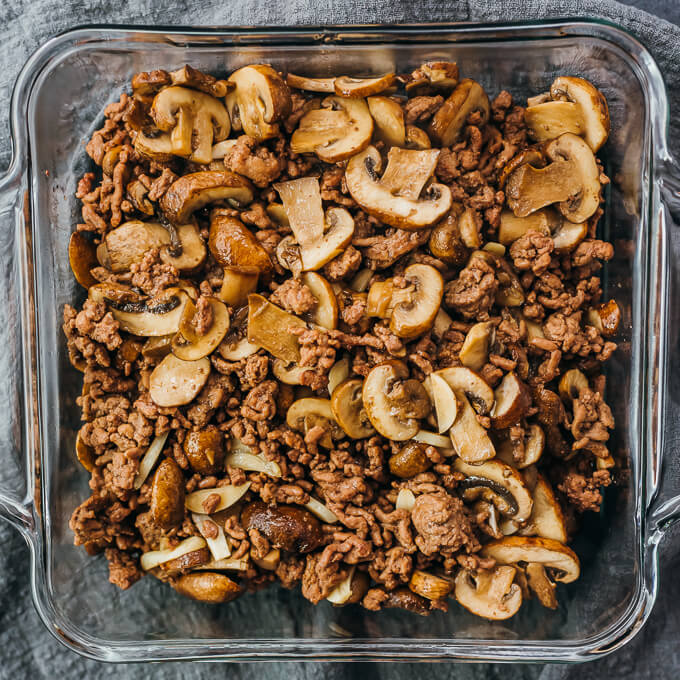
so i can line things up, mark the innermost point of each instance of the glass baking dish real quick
(58, 102)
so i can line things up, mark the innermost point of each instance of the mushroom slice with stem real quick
(416, 306)
(260, 100)
(320, 237)
(561, 559)
(310, 84)
(605, 318)
(346, 86)
(188, 344)
(511, 228)
(568, 235)
(448, 121)
(388, 117)
(308, 412)
(270, 327)
(534, 441)
(470, 440)
(393, 402)
(194, 119)
(592, 105)
(193, 250)
(348, 409)
(512, 401)
(549, 120)
(383, 201)
(445, 404)
(475, 350)
(197, 189)
(238, 283)
(82, 256)
(228, 496)
(416, 138)
(430, 586)
(325, 312)
(156, 347)
(489, 593)
(339, 129)
(496, 483)
(152, 317)
(572, 383)
(540, 585)
(175, 382)
(441, 76)
(408, 170)
(464, 381)
(188, 76)
(289, 374)
(546, 519)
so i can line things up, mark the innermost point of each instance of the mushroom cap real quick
(348, 409)
(546, 519)
(388, 117)
(325, 313)
(82, 257)
(470, 440)
(414, 316)
(512, 401)
(346, 86)
(416, 138)
(190, 346)
(548, 120)
(475, 350)
(381, 202)
(175, 382)
(490, 594)
(551, 553)
(310, 84)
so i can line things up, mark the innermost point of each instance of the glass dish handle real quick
(664, 509)
(16, 472)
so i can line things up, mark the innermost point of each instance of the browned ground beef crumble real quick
(243, 399)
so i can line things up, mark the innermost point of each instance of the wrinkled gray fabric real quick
(26, 648)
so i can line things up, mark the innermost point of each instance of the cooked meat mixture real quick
(351, 344)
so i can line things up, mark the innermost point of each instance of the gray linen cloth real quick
(26, 648)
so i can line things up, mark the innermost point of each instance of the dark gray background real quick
(26, 648)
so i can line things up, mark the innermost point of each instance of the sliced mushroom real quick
(606, 318)
(393, 402)
(433, 75)
(496, 483)
(446, 124)
(405, 500)
(147, 461)
(287, 527)
(464, 381)
(549, 120)
(512, 401)
(348, 409)
(540, 585)
(475, 350)
(204, 450)
(237, 348)
(310, 84)
(417, 305)
(561, 559)
(433, 439)
(232, 244)
(191, 77)
(320, 238)
(246, 460)
(152, 317)
(546, 519)
(470, 440)
(194, 119)
(155, 558)
(445, 404)
(197, 189)
(270, 561)
(261, 98)
(447, 242)
(388, 117)
(345, 86)
(85, 454)
(308, 412)
(512, 228)
(567, 236)
(532, 156)
(409, 461)
(429, 585)
(592, 105)
(408, 171)
(188, 344)
(193, 250)
(489, 593)
(572, 383)
(325, 313)
(207, 587)
(339, 129)
(82, 256)
(351, 590)
(338, 374)
(157, 347)
(380, 200)
(289, 374)
(323, 512)
(175, 382)
(270, 327)
(534, 442)
(238, 283)
(442, 323)
(226, 497)
(416, 138)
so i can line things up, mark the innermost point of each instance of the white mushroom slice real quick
(345, 86)
(397, 211)
(338, 374)
(154, 558)
(512, 228)
(270, 327)
(343, 591)
(226, 564)
(323, 512)
(394, 403)
(348, 409)
(310, 84)
(190, 346)
(546, 519)
(405, 500)
(568, 235)
(193, 250)
(442, 323)
(261, 98)
(175, 382)
(361, 280)
(388, 117)
(307, 412)
(475, 350)
(270, 561)
(240, 349)
(238, 283)
(429, 586)
(288, 255)
(448, 121)
(512, 401)
(540, 585)
(469, 228)
(289, 374)
(219, 546)
(464, 381)
(127, 244)
(416, 138)
(534, 442)
(553, 554)
(592, 105)
(432, 439)
(325, 313)
(149, 459)
(195, 120)
(156, 317)
(416, 307)
(445, 404)
(228, 496)
(499, 484)
(491, 594)
(549, 120)
(408, 171)
(470, 440)
(572, 383)
(338, 130)
(249, 461)
(222, 149)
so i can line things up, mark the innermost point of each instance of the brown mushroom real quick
(605, 318)
(308, 412)
(572, 383)
(446, 124)
(82, 256)
(404, 598)
(175, 382)
(546, 519)
(204, 450)
(208, 587)
(512, 228)
(187, 344)
(325, 312)
(167, 495)
(346, 86)
(512, 401)
(409, 461)
(540, 585)
(388, 117)
(310, 84)
(430, 586)
(192, 546)
(238, 283)
(444, 400)
(489, 593)
(416, 138)
(348, 409)
(270, 327)
(188, 76)
(85, 454)
(446, 241)
(226, 496)
(440, 76)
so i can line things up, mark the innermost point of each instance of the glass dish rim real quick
(596, 645)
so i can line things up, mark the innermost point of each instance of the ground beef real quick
(591, 424)
(584, 492)
(421, 109)
(532, 251)
(256, 162)
(294, 296)
(472, 294)
(203, 318)
(322, 573)
(260, 404)
(151, 275)
(381, 252)
(344, 266)
(123, 568)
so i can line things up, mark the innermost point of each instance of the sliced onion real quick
(338, 373)
(324, 513)
(432, 439)
(225, 565)
(149, 459)
(249, 461)
(219, 547)
(341, 593)
(228, 496)
(155, 558)
(405, 500)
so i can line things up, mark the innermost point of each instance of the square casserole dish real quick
(57, 104)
